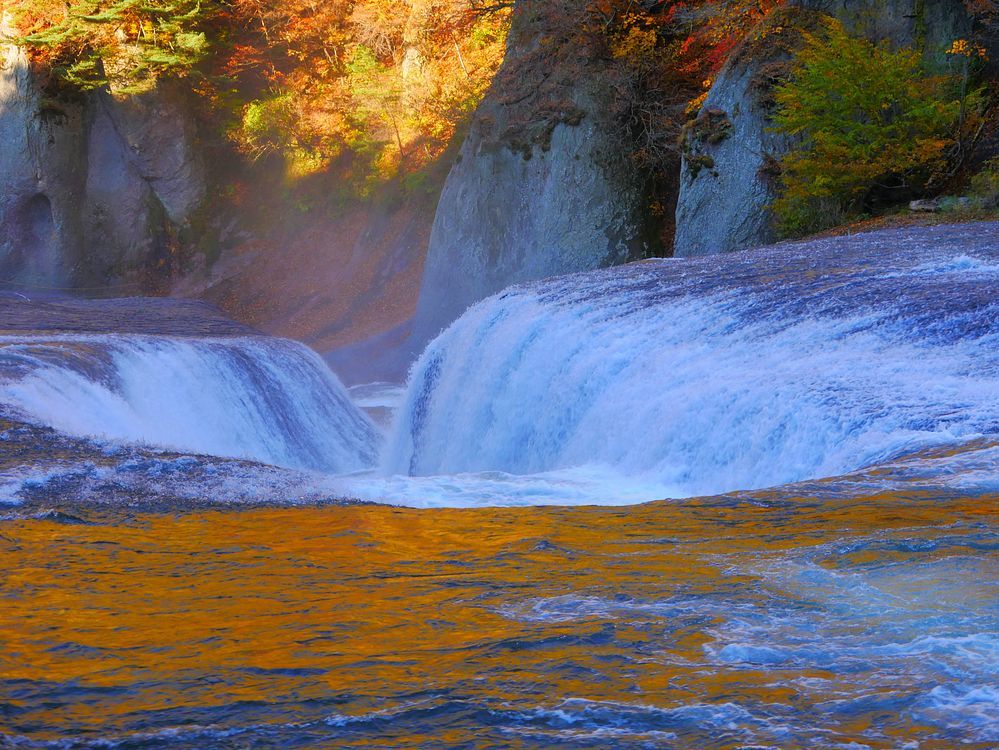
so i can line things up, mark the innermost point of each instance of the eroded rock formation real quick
(542, 185)
(731, 152)
(95, 191)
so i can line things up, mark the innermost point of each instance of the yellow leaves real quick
(964, 48)
(382, 80)
(771, 31)
(636, 44)
(695, 104)
(959, 47)
(698, 102)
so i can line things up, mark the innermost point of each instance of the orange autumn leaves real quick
(380, 83)
(128, 44)
(383, 83)
(372, 89)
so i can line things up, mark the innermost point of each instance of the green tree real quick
(126, 43)
(867, 118)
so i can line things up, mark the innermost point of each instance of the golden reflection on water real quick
(294, 612)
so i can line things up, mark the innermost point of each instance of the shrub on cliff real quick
(869, 120)
(985, 186)
(88, 44)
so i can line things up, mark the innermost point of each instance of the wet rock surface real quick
(147, 315)
(45, 474)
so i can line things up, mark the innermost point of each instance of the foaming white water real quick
(586, 485)
(691, 378)
(268, 400)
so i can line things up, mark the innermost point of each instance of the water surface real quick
(764, 620)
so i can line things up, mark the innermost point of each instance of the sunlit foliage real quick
(381, 83)
(378, 88)
(384, 82)
(868, 119)
(128, 43)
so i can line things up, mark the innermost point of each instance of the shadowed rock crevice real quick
(35, 226)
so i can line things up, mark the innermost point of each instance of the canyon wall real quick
(731, 153)
(542, 185)
(95, 191)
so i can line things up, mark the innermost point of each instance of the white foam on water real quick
(268, 400)
(960, 706)
(663, 380)
(377, 395)
(679, 387)
(585, 485)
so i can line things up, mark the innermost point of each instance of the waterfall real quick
(667, 378)
(265, 399)
(715, 374)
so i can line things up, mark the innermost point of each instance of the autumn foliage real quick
(89, 44)
(373, 90)
(384, 82)
(868, 120)
(381, 84)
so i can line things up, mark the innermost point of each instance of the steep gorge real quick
(96, 191)
(104, 194)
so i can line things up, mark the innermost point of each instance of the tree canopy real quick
(383, 84)
(867, 117)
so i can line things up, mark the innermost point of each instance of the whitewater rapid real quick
(682, 378)
(247, 397)
(664, 379)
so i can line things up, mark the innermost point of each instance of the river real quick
(206, 543)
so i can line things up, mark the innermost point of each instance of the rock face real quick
(929, 25)
(94, 191)
(539, 187)
(728, 172)
(37, 237)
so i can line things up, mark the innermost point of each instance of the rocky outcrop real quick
(541, 186)
(927, 25)
(39, 236)
(94, 191)
(731, 153)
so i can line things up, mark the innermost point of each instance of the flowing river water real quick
(184, 562)
(764, 621)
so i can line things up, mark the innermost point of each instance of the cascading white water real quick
(265, 399)
(716, 374)
(663, 379)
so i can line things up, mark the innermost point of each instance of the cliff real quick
(731, 152)
(541, 186)
(125, 194)
(95, 191)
